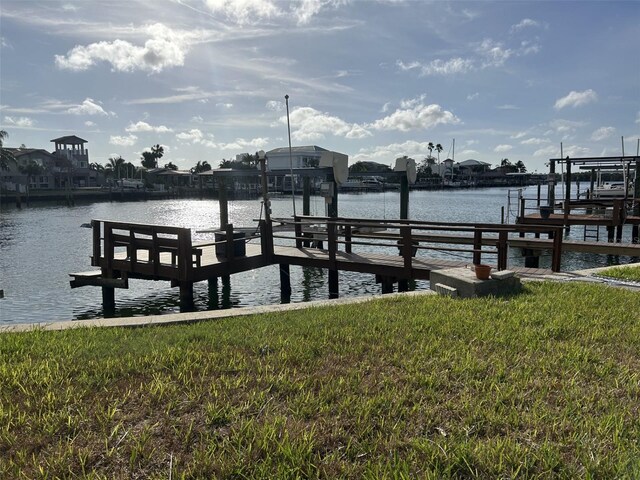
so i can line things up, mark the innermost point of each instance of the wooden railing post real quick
(297, 229)
(230, 246)
(132, 250)
(332, 240)
(347, 238)
(502, 249)
(556, 259)
(405, 233)
(108, 245)
(477, 246)
(97, 245)
(185, 260)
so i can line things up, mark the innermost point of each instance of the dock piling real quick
(285, 283)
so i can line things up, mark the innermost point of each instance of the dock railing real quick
(156, 251)
(410, 236)
(612, 211)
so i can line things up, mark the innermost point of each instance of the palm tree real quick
(438, 148)
(170, 166)
(521, 166)
(430, 147)
(115, 165)
(157, 150)
(6, 157)
(201, 167)
(31, 169)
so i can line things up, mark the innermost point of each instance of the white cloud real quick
(502, 148)
(553, 151)
(275, 106)
(88, 107)
(145, 127)
(196, 136)
(493, 53)
(602, 133)
(197, 119)
(253, 12)
(387, 153)
(519, 135)
(418, 116)
(165, 49)
(193, 135)
(123, 141)
(507, 107)
(246, 145)
(20, 122)
(576, 99)
(473, 96)
(89, 123)
(439, 67)
(535, 141)
(466, 153)
(565, 126)
(312, 124)
(524, 23)
(245, 11)
(226, 106)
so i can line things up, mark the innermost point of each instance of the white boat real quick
(609, 190)
(127, 184)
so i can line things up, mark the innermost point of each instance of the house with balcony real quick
(14, 179)
(73, 162)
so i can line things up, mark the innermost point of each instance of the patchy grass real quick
(541, 385)
(627, 272)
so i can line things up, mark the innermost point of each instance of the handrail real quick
(343, 231)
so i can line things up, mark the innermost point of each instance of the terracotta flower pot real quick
(482, 271)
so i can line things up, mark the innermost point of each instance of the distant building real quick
(301, 157)
(13, 177)
(68, 164)
(75, 161)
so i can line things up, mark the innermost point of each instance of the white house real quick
(301, 157)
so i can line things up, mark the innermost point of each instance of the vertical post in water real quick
(551, 182)
(306, 196)
(567, 196)
(293, 193)
(223, 201)
(285, 283)
(404, 197)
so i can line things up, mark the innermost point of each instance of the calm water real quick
(40, 246)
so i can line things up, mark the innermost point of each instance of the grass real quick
(627, 272)
(542, 385)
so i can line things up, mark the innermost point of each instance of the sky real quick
(375, 80)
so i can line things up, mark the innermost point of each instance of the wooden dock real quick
(394, 251)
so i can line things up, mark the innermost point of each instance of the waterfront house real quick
(73, 162)
(15, 179)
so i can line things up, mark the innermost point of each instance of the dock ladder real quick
(592, 232)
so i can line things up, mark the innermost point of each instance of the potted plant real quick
(482, 271)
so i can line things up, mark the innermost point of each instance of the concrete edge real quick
(192, 317)
(201, 316)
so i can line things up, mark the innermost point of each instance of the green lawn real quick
(626, 272)
(542, 385)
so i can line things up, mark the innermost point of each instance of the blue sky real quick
(373, 79)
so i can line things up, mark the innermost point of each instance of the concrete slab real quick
(190, 317)
(464, 281)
